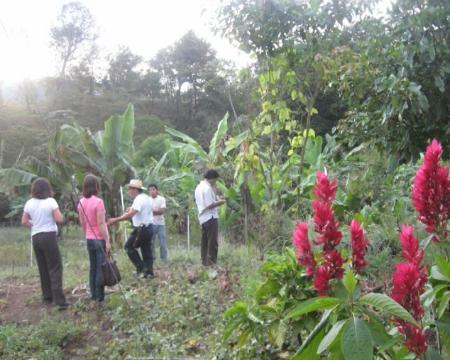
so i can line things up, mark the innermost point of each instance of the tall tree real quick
(75, 31)
(122, 72)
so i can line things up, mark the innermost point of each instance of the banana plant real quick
(105, 154)
(214, 157)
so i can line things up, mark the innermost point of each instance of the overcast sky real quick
(145, 26)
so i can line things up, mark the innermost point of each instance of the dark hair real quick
(41, 189)
(153, 186)
(90, 186)
(211, 174)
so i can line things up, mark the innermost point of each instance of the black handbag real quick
(111, 273)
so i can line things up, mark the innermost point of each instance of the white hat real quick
(136, 184)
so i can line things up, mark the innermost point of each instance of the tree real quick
(396, 81)
(29, 95)
(122, 73)
(75, 31)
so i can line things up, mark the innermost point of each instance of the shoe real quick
(149, 275)
(62, 307)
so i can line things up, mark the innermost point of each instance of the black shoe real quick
(62, 307)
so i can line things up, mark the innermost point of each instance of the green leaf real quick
(11, 177)
(230, 328)
(269, 287)
(356, 342)
(216, 140)
(277, 333)
(436, 274)
(238, 308)
(350, 281)
(443, 266)
(443, 304)
(331, 336)
(254, 318)
(308, 349)
(314, 304)
(388, 306)
(194, 145)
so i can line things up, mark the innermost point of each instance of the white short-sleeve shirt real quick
(41, 214)
(205, 196)
(143, 205)
(158, 203)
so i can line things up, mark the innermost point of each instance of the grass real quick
(176, 315)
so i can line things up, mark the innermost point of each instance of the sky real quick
(145, 26)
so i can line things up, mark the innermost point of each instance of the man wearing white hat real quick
(141, 214)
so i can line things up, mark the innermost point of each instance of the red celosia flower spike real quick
(410, 245)
(325, 190)
(431, 192)
(409, 284)
(326, 225)
(322, 278)
(305, 255)
(416, 341)
(359, 246)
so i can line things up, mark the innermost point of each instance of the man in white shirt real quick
(159, 224)
(208, 214)
(141, 214)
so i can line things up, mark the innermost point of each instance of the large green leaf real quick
(126, 137)
(239, 307)
(220, 133)
(308, 349)
(443, 266)
(91, 148)
(111, 138)
(314, 304)
(12, 177)
(350, 281)
(188, 140)
(387, 306)
(356, 342)
(331, 336)
(236, 141)
(443, 304)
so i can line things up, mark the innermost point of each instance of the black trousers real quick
(144, 236)
(49, 263)
(210, 245)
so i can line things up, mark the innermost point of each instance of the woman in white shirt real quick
(40, 214)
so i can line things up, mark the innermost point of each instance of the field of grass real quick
(177, 315)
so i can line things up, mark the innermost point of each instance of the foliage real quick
(105, 154)
(396, 95)
(74, 30)
(48, 339)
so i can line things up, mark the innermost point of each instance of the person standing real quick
(159, 224)
(141, 214)
(40, 214)
(208, 215)
(91, 211)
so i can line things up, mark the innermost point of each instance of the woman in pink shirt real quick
(91, 211)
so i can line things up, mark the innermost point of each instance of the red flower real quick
(359, 246)
(322, 278)
(410, 245)
(409, 284)
(326, 225)
(431, 192)
(416, 340)
(325, 190)
(334, 261)
(305, 255)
